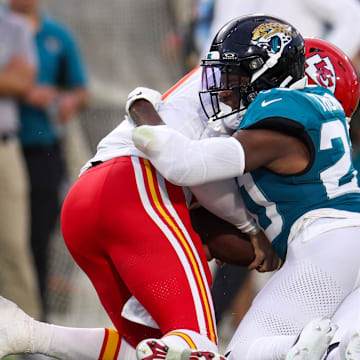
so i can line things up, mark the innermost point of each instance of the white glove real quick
(150, 95)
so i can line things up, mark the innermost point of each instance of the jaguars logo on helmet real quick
(272, 36)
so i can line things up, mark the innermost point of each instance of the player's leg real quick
(95, 344)
(19, 334)
(346, 342)
(312, 283)
(134, 233)
(113, 295)
(87, 221)
(158, 255)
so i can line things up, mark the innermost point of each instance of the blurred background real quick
(126, 43)
(152, 43)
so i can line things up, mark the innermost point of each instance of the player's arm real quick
(142, 112)
(188, 162)
(281, 153)
(225, 242)
(142, 105)
(223, 199)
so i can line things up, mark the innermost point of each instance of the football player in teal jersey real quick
(291, 156)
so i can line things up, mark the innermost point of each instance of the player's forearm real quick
(142, 105)
(143, 113)
(223, 199)
(188, 163)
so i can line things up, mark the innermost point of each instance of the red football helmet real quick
(328, 66)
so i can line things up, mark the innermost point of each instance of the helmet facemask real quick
(226, 92)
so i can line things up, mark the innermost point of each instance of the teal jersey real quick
(61, 65)
(317, 118)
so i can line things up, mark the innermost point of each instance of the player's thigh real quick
(113, 294)
(138, 221)
(317, 275)
(160, 256)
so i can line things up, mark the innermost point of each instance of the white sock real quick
(127, 352)
(40, 334)
(83, 343)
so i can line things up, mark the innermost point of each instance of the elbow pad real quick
(188, 162)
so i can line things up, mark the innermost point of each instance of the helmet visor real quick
(224, 90)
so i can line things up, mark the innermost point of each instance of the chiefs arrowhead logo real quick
(321, 71)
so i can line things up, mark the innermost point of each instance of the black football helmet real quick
(249, 54)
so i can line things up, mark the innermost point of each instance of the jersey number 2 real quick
(331, 176)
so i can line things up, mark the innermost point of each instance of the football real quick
(224, 240)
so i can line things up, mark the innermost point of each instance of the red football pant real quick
(130, 232)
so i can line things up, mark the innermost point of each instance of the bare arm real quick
(143, 113)
(278, 152)
(17, 77)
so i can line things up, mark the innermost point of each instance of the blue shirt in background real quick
(61, 65)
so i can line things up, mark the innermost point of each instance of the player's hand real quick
(209, 256)
(142, 93)
(207, 252)
(265, 257)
